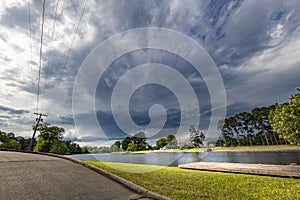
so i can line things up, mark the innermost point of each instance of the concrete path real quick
(32, 176)
(258, 169)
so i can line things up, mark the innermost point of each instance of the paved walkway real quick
(258, 169)
(33, 176)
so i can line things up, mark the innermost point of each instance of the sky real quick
(252, 47)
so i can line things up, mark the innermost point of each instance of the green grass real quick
(259, 148)
(186, 184)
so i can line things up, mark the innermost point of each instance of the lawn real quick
(259, 148)
(186, 184)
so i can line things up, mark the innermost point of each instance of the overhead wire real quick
(40, 58)
(71, 46)
(51, 45)
(30, 43)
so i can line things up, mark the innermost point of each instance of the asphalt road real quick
(32, 176)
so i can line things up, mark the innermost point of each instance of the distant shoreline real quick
(222, 149)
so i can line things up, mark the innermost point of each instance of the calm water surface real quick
(174, 159)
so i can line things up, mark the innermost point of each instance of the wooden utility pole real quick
(38, 120)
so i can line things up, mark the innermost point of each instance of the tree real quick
(161, 143)
(117, 144)
(59, 147)
(131, 147)
(11, 144)
(115, 147)
(140, 140)
(8, 141)
(125, 143)
(85, 149)
(3, 139)
(171, 141)
(50, 140)
(196, 136)
(219, 143)
(262, 125)
(49, 135)
(285, 119)
(25, 142)
(73, 148)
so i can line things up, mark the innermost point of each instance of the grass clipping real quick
(186, 184)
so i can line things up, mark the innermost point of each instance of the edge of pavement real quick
(136, 188)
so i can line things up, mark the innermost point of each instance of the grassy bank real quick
(185, 184)
(224, 149)
(259, 148)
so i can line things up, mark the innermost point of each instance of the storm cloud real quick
(255, 45)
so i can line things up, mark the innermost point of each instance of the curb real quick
(134, 187)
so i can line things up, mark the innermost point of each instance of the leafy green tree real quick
(219, 143)
(285, 119)
(8, 141)
(196, 136)
(48, 137)
(115, 147)
(3, 137)
(231, 142)
(73, 148)
(140, 140)
(171, 141)
(25, 142)
(131, 147)
(248, 128)
(11, 144)
(125, 143)
(262, 125)
(161, 143)
(59, 147)
(230, 131)
(85, 149)
(117, 144)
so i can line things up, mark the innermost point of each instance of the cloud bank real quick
(253, 43)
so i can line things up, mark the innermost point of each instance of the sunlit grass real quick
(186, 184)
(259, 148)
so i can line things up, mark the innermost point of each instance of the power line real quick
(40, 60)
(71, 46)
(51, 45)
(39, 119)
(30, 41)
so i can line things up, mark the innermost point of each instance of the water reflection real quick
(167, 159)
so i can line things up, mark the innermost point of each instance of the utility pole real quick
(38, 120)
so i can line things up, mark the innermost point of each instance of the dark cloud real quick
(6, 117)
(236, 34)
(13, 111)
(63, 121)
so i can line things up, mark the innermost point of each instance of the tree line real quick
(273, 125)
(138, 142)
(50, 140)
